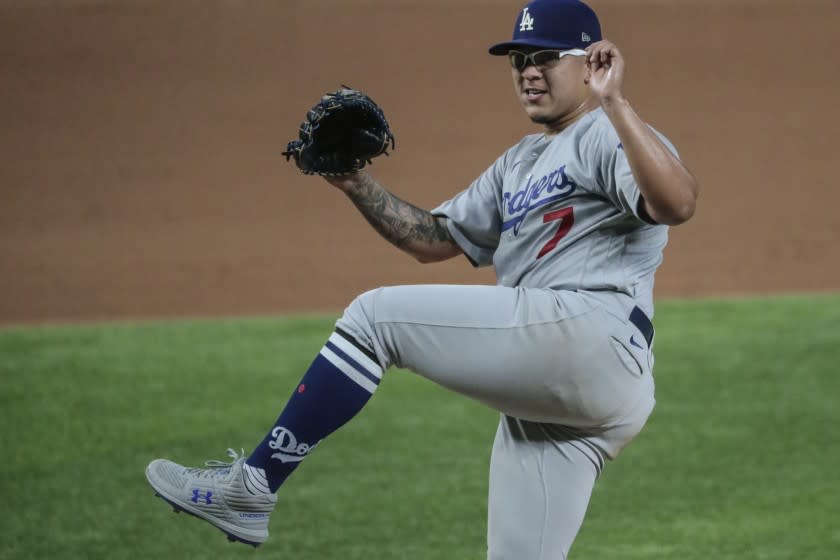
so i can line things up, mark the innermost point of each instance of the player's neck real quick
(565, 121)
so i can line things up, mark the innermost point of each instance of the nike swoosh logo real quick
(634, 343)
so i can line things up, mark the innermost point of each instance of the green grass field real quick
(739, 461)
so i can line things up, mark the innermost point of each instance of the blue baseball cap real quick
(553, 24)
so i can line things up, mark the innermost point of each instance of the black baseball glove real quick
(341, 134)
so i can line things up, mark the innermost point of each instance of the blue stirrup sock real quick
(337, 385)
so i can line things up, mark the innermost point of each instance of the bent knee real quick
(359, 319)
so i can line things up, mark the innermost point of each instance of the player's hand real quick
(347, 183)
(606, 71)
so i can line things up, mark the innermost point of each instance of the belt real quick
(638, 318)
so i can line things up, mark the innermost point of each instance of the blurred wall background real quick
(140, 144)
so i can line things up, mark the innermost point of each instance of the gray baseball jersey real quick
(557, 345)
(561, 212)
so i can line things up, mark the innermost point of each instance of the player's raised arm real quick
(412, 229)
(668, 189)
(343, 132)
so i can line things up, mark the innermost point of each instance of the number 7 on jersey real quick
(567, 219)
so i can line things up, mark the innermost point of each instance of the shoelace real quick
(217, 469)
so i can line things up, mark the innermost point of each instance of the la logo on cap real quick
(527, 23)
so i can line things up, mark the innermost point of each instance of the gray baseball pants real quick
(568, 371)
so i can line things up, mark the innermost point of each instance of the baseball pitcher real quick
(574, 219)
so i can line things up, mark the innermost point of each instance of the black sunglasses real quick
(521, 60)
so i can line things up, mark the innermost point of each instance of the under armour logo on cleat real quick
(198, 495)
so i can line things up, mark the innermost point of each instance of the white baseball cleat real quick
(217, 495)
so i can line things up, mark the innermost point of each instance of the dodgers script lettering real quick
(535, 194)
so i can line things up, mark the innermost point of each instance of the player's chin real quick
(537, 113)
(539, 117)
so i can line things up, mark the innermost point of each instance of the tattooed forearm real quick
(410, 228)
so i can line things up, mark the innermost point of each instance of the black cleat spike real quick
(234, 538)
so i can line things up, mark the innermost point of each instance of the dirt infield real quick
(141, 174)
